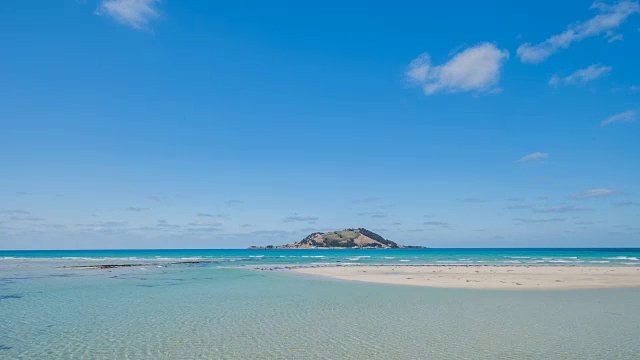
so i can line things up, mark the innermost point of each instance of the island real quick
(359, 238)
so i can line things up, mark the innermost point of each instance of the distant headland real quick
(359, 238)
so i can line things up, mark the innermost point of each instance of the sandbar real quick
(487, 277)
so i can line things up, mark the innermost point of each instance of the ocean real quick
(535, 256)
(216, 310)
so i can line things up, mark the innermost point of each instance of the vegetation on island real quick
(349, 238)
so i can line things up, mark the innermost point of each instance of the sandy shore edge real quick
(485, 277)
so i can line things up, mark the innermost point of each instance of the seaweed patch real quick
(11, 296)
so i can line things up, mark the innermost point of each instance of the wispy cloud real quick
(164, 225)
(271, 233)
(584, 222)
(562, 209)
(614, 38)
(136, 209)
(533, 156)
(627, 116)
(23, 193)
(202, 230)
(52, 226)
(155, 197)
(443, 224)
(626, 228)
(15, 212)
(594, 193)
(538, 221)
(26, 218)
(590, 73)
(136, 14)
(626, 203)
(107, 227)
(206, 223)
(374, 215)
(365, 200)
(474, 69)
(298, 218)
(582, 76)
(112, 223)
(231, 203)
(207, 215)
(474, 200)
(608, 19)
(519, 207)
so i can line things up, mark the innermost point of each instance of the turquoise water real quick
(216, 311)
(605, 257)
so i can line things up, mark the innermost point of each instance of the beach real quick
(487, 277)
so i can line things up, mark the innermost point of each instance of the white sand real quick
(488, 277)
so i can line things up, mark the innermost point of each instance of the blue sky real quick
(165, 124)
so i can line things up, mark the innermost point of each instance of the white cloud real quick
(533, 156)
(627, 116)
(594, 193)
(134, 13)
(609, 18)
(582, 76)
(419, 68)
(591, 73)
(475, 69)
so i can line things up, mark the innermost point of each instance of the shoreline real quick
(488, 277)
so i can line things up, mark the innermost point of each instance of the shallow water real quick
(207, 311)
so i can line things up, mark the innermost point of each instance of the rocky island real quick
(359, 238)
